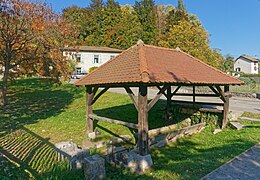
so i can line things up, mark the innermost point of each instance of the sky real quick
(234, 25)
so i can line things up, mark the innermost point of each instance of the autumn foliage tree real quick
(31, 40)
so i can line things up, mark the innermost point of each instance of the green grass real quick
(41, 114)
(251, 115)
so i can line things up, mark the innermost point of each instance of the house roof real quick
(143, 63)
(249, 58)
(92, 49)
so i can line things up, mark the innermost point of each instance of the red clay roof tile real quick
(152, 64)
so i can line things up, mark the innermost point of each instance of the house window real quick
(78, 70)
(112, 56)
(77, 57)
(96, 59)
(255, 68)
(238, 69)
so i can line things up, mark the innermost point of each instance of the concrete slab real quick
(244, 166)
(237, 125)
(249, 119)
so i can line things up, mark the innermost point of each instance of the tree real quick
(228, 63)
(77, 16)
(193, 40)
(31, 40)
(181, 6)
(145, 10)
(95, 24)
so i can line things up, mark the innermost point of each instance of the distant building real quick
(89, 56)
(246, 64)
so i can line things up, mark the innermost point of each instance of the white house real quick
(89, 56)
(246, 64)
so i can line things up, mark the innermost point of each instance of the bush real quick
(92, 69)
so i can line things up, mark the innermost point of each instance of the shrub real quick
(92, 69)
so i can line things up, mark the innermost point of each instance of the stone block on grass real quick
(94, 167)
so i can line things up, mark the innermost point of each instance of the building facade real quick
(246, 65)
(87, 57)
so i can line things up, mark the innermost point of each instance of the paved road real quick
(237, 104)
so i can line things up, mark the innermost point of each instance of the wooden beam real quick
(214, 90)
(175, 91)
(157, 97)
(132, 96)
(143, 138)
(114, 121)
(226, 107)
(169, 103)
(99, 94)
(193, 97)
(162, 92)
(201, 95)
(221, 93)
(89, 98)
(199, 103)
(95, 90)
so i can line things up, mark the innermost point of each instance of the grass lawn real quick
(40, 114)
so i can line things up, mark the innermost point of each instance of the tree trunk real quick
(4, 85)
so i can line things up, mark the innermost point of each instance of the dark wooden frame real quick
(142, 106)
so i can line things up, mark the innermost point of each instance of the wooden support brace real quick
(99, 94)
(175, 91)
(214, 90)
(114, 121)
(157, 97)
(162, 92)
(221, 93)
(132, 96)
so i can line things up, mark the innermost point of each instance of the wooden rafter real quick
(132, 96)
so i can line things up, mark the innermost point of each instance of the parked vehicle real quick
(78, 76)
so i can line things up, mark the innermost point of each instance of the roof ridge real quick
(103, 65)
(159, 47)
(144, 72)
(205, 64)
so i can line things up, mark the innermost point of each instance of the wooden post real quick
(89, 98)
(226, 107)
(143, 121)
(194, 100)
(169, 103)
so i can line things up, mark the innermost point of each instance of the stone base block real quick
(138, 163)
(94, 168)
(92, 135)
